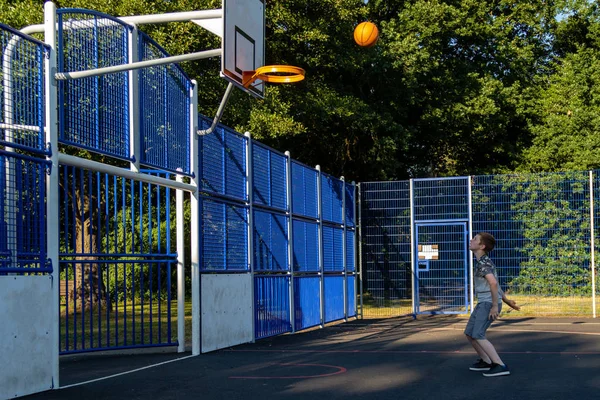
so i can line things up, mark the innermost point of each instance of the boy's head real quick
(487, 240)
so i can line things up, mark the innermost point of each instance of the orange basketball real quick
(366, 34)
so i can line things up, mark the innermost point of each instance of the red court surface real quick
(398, 358)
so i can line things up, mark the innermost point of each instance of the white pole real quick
(183, 16)
(249, 185)
(470, 235)
(320, 237)
(180, 270)
(592, 244)
(344, 263)
(52, 182)
(122, 172)
(134, 103)
(288, 190)
(359, 244)
(195, 224)
(413, 244)
(63, 76)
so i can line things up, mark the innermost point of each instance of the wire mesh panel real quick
(270, 241)
(93, 111)
(304, 190)
(22, 91)
(164, 111)
(542, 227)
(333, 249)
(116, 264)
(306, 246)
(307, 304)
(442, 268)
(441, 198)
(223, 162)
(332, 198)
(272, 302)
(349, 202)
(23, 207)
(224, 235)
(269, 177)
(386, 248)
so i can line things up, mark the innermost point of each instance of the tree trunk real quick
(90, 290)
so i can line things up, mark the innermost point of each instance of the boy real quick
(489, 294)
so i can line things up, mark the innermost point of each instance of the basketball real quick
(366, 34)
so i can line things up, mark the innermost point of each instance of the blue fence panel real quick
(272, 300)
(22, 91)
(224, 228)
(307, 305)
(270, 242)
(269, 177)
(386, 247)
(304, 190)
(23, 207)
(441, 198)
(541, 223)
(333, 250)
(116, 263)
(351, 296)
(94, 111)
(332, 200)
(306, 246)
(334, 298)
(349, 204)
(350, 251)
(164, 111)
(223, 162)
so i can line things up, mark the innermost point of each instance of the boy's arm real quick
(511, 303)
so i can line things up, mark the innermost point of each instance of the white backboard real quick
(243, 42)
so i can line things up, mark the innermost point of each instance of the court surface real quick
(397, 358)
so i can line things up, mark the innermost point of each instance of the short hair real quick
(488, 240)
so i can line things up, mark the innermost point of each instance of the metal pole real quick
(320, 237)
(290, 238)
(360, 258)
(470, 234)
(195, 225)
(63, 76)
(52, 192)
(412, 249)
(180, 269)
(249, 189)
(592, 244)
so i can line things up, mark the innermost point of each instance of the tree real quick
(567, 136)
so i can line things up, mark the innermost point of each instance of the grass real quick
(129, 325)
(531, 306)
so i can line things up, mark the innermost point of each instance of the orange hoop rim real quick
(296, 74)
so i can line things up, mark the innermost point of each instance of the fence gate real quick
(441, 270)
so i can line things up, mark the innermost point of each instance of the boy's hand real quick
(494, 313)
(513, 304)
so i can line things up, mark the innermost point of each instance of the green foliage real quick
(552, 216)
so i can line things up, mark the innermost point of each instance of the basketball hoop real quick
(273, 74)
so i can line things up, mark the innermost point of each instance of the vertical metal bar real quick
(134, 102)
(195, 223)
(290, 239)
(52, 204)
(469, 235)
(320, 238)
(413, 245)
(250, 195)
(592, 244)
(360, 258)
(344, 261)
(180, 268)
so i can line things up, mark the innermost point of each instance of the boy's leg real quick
(476, 320)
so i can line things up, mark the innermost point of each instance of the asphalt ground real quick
(398, 358)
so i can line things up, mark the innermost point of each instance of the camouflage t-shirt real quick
(483, 267)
